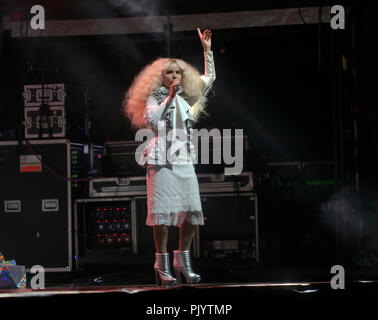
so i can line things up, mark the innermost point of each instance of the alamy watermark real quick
(37, 282)
(338, 18)
(177, 144)
(338, 280)
(38, 20)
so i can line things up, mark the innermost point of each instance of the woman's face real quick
(172, 74)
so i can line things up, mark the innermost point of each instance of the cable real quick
(300, 14)
(55, 173)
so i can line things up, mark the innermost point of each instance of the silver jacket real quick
(155, 150)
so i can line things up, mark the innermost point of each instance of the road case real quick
(136, 185)
(231, 227)
(35, 203)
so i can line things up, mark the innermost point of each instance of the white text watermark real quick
(177, 144)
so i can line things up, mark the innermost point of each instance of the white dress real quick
(172, 187)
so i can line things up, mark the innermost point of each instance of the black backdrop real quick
(268, 83)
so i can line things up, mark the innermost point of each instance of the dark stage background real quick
(280, 84)
(268, 83)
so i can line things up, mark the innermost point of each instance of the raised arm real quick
(205, 39)
(209, 75)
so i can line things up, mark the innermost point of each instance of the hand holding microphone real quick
(174, 88)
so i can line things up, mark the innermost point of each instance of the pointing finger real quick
(199, 32)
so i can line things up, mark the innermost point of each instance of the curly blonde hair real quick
(150, 79)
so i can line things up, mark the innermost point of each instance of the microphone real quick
(175, 89)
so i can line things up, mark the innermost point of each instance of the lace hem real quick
(175, 218)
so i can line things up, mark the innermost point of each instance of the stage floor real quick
(124, 284)
(203, 301)
(270, 289)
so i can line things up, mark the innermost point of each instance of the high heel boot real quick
(162, 271)
(183, 265)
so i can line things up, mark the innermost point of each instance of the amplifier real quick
(133, 186)
(119, 159)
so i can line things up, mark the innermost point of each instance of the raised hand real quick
(205, 38)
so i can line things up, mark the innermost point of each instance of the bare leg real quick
(181, 258)
(187, 231)
(161, 238)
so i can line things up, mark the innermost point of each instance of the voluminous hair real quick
(151, 79)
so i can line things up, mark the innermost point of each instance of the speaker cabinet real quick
(231, 227)
(35, 203)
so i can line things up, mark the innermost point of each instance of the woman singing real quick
(169, 95)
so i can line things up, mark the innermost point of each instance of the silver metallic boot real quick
(162, 271)
(183, 265)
